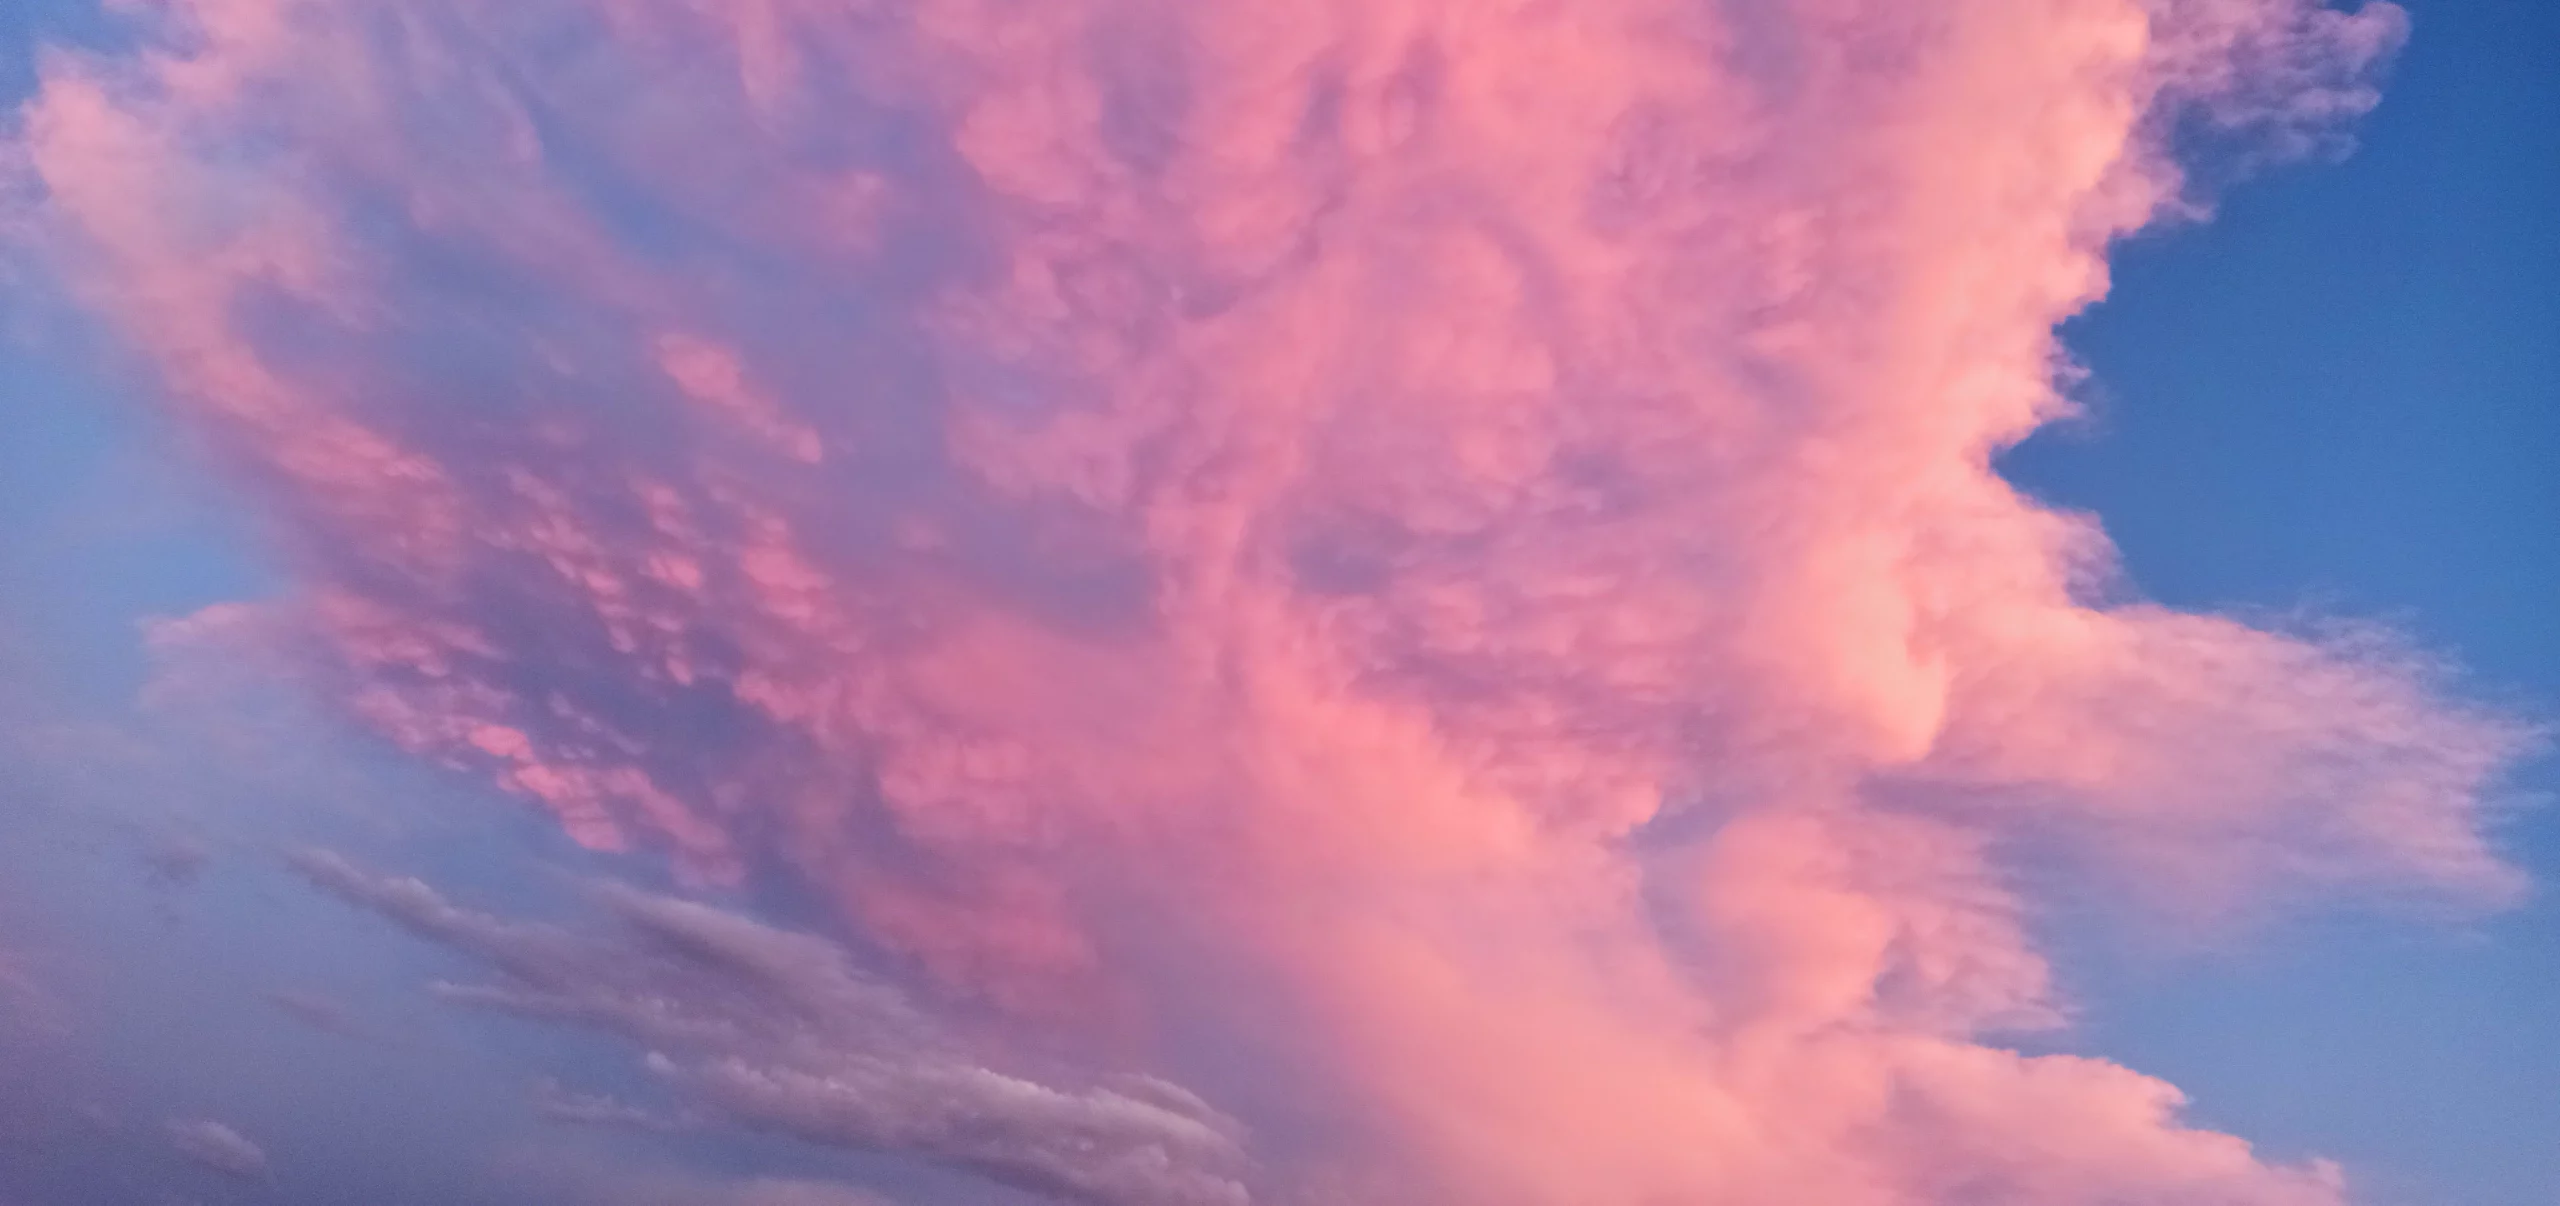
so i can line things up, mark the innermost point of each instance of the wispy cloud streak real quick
(776, 1030)
(220, 1148)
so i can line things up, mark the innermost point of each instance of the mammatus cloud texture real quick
(1426, 569)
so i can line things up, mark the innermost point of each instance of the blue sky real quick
(2343, 392)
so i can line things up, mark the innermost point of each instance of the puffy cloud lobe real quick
(777, 1030)
(218, 1147)
(1444, 551)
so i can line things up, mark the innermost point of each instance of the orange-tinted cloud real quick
(1431, 566)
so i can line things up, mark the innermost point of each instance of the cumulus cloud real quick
(778, 1030)
(218, 1147)
(1433, 567)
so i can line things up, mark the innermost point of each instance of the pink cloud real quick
(1447, 553)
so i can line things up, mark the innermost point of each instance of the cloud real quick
(559, 1103)
(778, 1031)
(575, 1182)
(321, 1013)
(768, 1192)
(219, 1148)
(1431, 569)
(177, 861)
(28, 1008)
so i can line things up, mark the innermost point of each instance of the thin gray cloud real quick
(779, 1031)
(556, 1102)
(559, 1179)
(757, 1193)
(218, 1147)
(177, 861)
(320, 1013)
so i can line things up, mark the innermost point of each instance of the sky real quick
(834, 603)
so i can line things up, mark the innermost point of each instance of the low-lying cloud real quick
(777, 1030)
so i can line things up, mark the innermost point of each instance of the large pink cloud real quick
(1429, 567)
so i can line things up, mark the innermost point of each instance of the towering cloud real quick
(1429, 569)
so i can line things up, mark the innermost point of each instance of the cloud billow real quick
(1433, 567)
